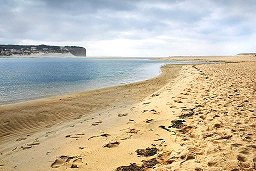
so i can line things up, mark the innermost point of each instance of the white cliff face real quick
(77, 51)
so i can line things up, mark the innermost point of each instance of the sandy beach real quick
(191, 117)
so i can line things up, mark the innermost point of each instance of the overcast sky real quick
(133, 27)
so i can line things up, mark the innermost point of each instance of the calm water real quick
(30, 78)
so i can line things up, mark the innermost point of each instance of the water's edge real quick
(78, 88)
(74, 88)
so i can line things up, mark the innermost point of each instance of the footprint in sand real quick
(75, 135)
(20, 139)
(70, 161)
(127, 137)
(186, 157)
(30, 145)
(131, 121)
(34, 143)
(241, 158)
(154, 111)
(177, 101)
(102, 135)
(79, 117)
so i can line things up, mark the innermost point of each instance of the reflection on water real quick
(30, 78)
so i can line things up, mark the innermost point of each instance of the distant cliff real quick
(254, 54)
(77, 51)
(10, 50)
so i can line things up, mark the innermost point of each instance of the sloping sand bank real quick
(204, 119)
(28, 117)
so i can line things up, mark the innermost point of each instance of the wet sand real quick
(201, 118)
(28, 117)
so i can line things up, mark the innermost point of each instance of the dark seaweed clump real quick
(176, 123)
(146, 152)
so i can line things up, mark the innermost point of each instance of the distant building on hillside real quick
(8, 50)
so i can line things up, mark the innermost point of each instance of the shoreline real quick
(75, 93)
(8, 110)
(71, 93)
(80, 85)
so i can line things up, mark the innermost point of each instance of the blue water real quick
(30, 78)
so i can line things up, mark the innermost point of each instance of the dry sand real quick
(201, 118)
(236, 58)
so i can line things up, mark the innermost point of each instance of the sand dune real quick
(203, 119)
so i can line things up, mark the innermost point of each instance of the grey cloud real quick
(79, 6)
(163, 21)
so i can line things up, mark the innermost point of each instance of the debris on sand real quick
(131, 167)
(149, 120)
(25, 147)
(163, 127)
(134, 167)
(167, 129)
(178, 123)
(123, 114)
(112, 144)
(149, 163)
(133, 131)
(154, 95)
(96, 123)
(154, 111)
(102, 135)
(146, 152)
